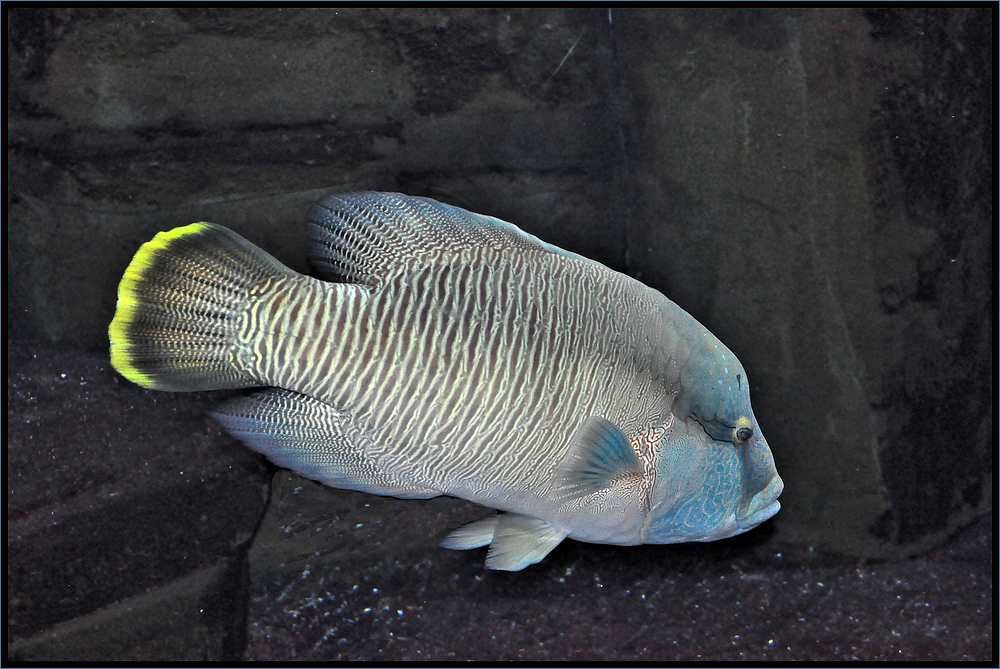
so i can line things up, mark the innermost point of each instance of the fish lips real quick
(762, 506)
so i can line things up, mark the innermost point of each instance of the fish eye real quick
(744, 433)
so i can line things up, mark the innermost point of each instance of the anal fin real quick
(312, 438)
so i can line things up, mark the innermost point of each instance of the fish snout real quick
(762, 506)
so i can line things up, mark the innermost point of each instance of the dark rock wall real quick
(815, 186)
(930, 166)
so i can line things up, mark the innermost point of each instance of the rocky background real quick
(815, 186)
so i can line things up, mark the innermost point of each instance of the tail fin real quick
(179, 308)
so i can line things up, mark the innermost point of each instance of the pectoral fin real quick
(521, 540)
(600, 456)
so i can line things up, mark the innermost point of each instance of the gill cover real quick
(719, 479)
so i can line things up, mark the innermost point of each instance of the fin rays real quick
(179, 305)
(515, 540)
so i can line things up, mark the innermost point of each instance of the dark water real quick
(815, 186)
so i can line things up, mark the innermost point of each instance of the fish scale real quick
(445, 352)
(496, 410)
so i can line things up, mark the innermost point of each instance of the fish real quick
(443, 352)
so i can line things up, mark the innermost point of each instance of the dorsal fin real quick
(358, 237)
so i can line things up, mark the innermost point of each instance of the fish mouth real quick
(763, 505)
(750, 522)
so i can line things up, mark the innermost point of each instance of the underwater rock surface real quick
(815, 186)
(380, 589)
(166, 569)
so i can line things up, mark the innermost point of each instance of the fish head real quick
(714, 471)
